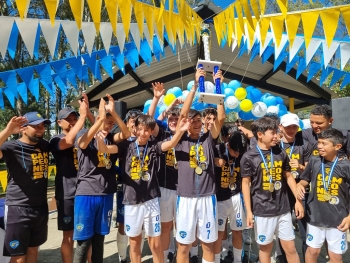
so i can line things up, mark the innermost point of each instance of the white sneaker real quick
(246, 237)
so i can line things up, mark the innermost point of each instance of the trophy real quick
(209, 66)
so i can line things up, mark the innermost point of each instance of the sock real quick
(204, 261)
(122, 244)
(172, 242)
(194, 251)
(142, 240)
(237, 255)
(165, 255)
(217, 258)
(225, 244)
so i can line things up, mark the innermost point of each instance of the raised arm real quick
(158, 91)
(216, 128)
(101, 145)
(89, 114)
(176, 102)
(183, 126)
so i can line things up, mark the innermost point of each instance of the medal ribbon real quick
(171, 137)
(144, 153)
(291, 150)
(266, 167)
(329, 175)
(234, 163)
(105, 154)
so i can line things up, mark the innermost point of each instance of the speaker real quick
(340, 113)
(120, 108)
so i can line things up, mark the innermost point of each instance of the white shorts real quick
(336, 240)
(266, 227)
(146, 214)
(196, 213)
(233, 209)
(167, 205)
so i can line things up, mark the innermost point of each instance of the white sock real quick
(142, 240)
(237, 255)
(225, 244)
(172, 242)
(204, 261)
(165, 255)
(122, 244)
(217, 258)
(194, 251)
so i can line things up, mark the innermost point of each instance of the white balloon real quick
(306, 123)
(259, 109)
(273, 109)
(209, 87)
(232, 102)
(185, 93)
(161, 101)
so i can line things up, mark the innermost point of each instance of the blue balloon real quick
(270, 101)
(256, 94)
(169, 91)
(247, 116)
(177, 91)
(162, 108)
(237, 109)
(224, 86)
(249, 88)
(251, 97)
(279, 100)
(229, 92)
(190, 84)
(301, 124)
(201, 106)
(156, 114)
(145, 109)
(282, 107)
(234, 84)
(148, 102)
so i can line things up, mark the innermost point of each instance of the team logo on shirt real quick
(275, 172)
(220, 222)
(40, 163)
(182, 234)
(333, 188)
(79, 227)
(310, 237)
(136, 172)
(315, 153)
(262, 238)
(127, 227)
(14, 244)
(193, 155)
(67, 219)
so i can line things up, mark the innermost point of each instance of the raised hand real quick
(83, 108)
(101, 109)
(177, 102)
(110, 106)
(14, 126)
(184, 125)
(158, 89)
(200, 72)
(218, 75)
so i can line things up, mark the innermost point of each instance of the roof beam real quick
(269, 74)
(141, 83)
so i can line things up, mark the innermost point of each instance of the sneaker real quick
(246, 237)
(279, 259)
(194, 259)
(226, 256)
(171, 257)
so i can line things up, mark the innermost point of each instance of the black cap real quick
(64, 113)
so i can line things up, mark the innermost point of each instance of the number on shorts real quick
(208, 231)
(207, 225)
(157, 228)
(157, 218)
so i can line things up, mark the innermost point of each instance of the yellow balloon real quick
(246, 105)
(240, 93)
(169, 98)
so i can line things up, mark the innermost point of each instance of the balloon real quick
(148, 102)
(282, 110)
(279, 100)
(190, 84)
(161, 101)
(228, 92)
(256, 94)
(259, 109)
(209, 87)
(224, 86)
(240, 93)
(246, 105)
(301, 124)
(306, 123)
(231, 102)
(237, 109)
(272, 109)
(156, 114)
(249, 88)
(201, 106)
(234, 84)
(163, 108)
(168, 99)
(247, 116)
(185, 93)
(177, 91)
(270, 101)
(145, 109)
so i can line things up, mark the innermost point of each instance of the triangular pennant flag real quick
(50, 34)
(22, 7)
(106, 35)
(301, 67)
(75, 64)
(337, 75)
(51, 6)
(311, 50)
(72, 34)
(22, 91)
(267, 54)
(243, 48)
(61, 69)
(77, 7)
(95, 11)
(5, 32)
(134, 30)
(106, 63)
(290, 64)
(279, 60)
(146, 53)
(266, 44)
(97, 71)
(72, 78)
(283, 45)
(328, 52)
(239, 13)
(90, 61)
(346, 81)
(138, 11)
(121, 37)
(262, 6)
(10, 96)
(234, 45)
(309, 23)
(148, 37)
(85, 74)
(112, 10)
(101, 53)
(325, 74)
(10, 79)
(2, 105)
(125, 12)
(248, 15)
(44, 71)
(298, 42)
(283, 4)
(254, 52)
(255, 7)
(344, 54)
(34, 88)
(277, 28)
(330, 20)
(89, 32)
(27, 29)
(313, 69)
(345, 11)
(148, 13)
(37, 43)
(12, 43)
(264, 27)
(157, 50)
(292, 24)
(118, 58)
(47, 87)
(59, 83)
(26, 74)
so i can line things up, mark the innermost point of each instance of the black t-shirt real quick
(322, 213)
(311, 137)
(140, 184)
(93, 176)
(252, 143)
(168, 175)
(191, 184)
(265, 203)
(224, 179)
(66, 168)
(27, 167)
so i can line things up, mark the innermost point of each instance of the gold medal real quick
(327, 196)
(146, 176)
(294, 174)
(271, 187)
(107, 163)
(233, 186)
(199, 170)
(232, 180)
(334, 200)
(204, 166)
(278, 185)
(139, 173)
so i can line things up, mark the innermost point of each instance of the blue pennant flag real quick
(267, 54)
(106, 63)
(61, 69)
(244, 48)
(101, 53)
(10, 78)
(118, 58)
(255, 51)
(97, 72)
(145, 52)
(75, 64)
(34, 88)
(12, 45)
(37, 42)
(173, 48)
(59, 83)
(325, 74)
(47, 87)
(337, 75)
(157, 50)
(132, 54)
(301, 67)
(291, 64)
(2, 105)
(26, 74)
(346, 80)
(90, 61)
(85, 75)
(44, 71)
(314, 67)
(280, 59)
(9, 94)
(71, 76)
(23, 92)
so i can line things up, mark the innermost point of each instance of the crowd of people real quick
(196, 177)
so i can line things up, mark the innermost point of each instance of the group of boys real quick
(178, 177)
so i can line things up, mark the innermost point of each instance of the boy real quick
(267, 169)
(230, 203)
(139, 162)
(96, 184)
(196, 186)
(328, 176)
(26, 210)
(65, 156)
(209, 116)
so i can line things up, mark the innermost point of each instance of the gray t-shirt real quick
(191, 184)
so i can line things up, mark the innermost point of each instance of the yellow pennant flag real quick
(277, 26)
(112, 10)
(309, 23)
(51, 6)
(283, 4)
(3, 180)
(250, 32)
(262, 6)
(292, 24)
(239, 32)
(183, 13)
(230, 25)
(95, 11)
(161, 10)
(264, 27)
(138, 10)
(159, 25)
(255, 7)
(330, 19)
(240, 15)
(174, 26)
(148, 14)
(248, 15)
(345, 11)
(77, 10)
(22, 6)
(125, 12)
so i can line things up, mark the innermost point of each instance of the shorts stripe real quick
(213, 198)
(177, 204)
